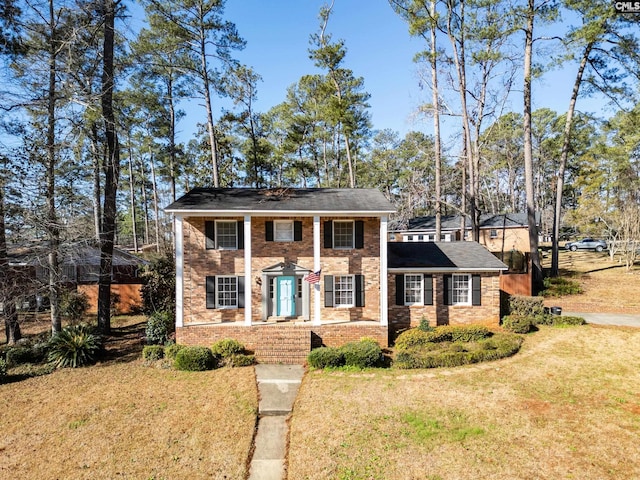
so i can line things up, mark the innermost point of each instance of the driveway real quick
(619, 319)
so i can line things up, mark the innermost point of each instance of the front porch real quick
(286, 342)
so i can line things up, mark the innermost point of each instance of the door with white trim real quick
(286, 296)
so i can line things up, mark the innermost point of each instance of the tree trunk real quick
(566, 142)
(7, 288)
(132, 199)
(436, 121)
(528, 153)
(52, 227)
(155, 204)
(111, 170)
(97, 153)
(145, 202)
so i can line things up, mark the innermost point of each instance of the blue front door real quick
(286, 296)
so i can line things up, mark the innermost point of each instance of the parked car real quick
(587, 244)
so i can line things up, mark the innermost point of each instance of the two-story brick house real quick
(284, 270)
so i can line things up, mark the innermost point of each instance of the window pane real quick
(343, 234)
(226, 234)
(460, 289)
(227, 288)
(412, 289)
(283, 231)
(343, 290)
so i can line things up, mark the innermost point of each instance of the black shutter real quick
(240, 233)
(428, 289)
(211, 292)
(210, 233)
(268, 230)
(297, 231)
(476, 290)
(359, 290)
(240, 281)
(359, 224)
(400, 289)
(328, 290)
(448, 289)
(328, 234)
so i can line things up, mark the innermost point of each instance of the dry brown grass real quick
(607, 286)
(567, 406)
(122, 419)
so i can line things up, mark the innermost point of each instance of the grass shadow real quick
(125, 343)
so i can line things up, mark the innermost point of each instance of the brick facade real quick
(200, 262)
(487, 313)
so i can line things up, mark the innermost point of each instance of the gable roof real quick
(442, 257)
(293, 201)
(452, 222)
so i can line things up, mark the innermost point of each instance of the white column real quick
(177, 232)
(247, 271)
(316, 267)
(384, 290)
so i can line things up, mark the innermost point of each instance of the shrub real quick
(20, 354)
(559, 286)
(239, 360)
(152, 352)
(413, 338)
(159, 328)
(325, 357)
(195, 359)
(526, 306)
(171, 351)
(517, 323)
(424, 325)
(363, 354)
(226, 347)
(73, 305)
(500, 345)
(159, 289)
(3, 369)
(74, 346)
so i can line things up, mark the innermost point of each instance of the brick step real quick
(283, 345)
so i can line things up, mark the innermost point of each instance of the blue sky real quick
(379, 49)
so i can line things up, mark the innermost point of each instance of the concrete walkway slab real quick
(617, 319)
(277, 386)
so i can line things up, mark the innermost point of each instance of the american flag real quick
(313, 277)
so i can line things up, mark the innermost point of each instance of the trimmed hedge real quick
(170, 351)
(526, 306)
(20, 354)
(325, 357)
(559, 320)
(239, 360)
(517, 323)
(365, 353)
(152, 352)
(226, 347)
(195, 359)
(498, 346)
(446, 333)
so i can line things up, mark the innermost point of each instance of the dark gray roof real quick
(442, 256)
(303, 200)
(452, 222)
(83, 252)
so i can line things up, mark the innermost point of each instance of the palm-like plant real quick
(74, 346)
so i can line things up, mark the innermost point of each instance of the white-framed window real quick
(413, 289)
(226, 292)
(461, 290)
(343, 234)
(283, 230)
(344, 289)
(493, 233)
(227, 234)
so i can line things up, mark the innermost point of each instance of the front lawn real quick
(566, 406)
(124, 419)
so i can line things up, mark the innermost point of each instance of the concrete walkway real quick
(277, 387)
(619, 319)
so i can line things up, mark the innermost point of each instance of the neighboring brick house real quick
(445, 283)
(299, 267)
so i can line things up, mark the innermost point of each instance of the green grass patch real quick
(452, 426)
(560, 286)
